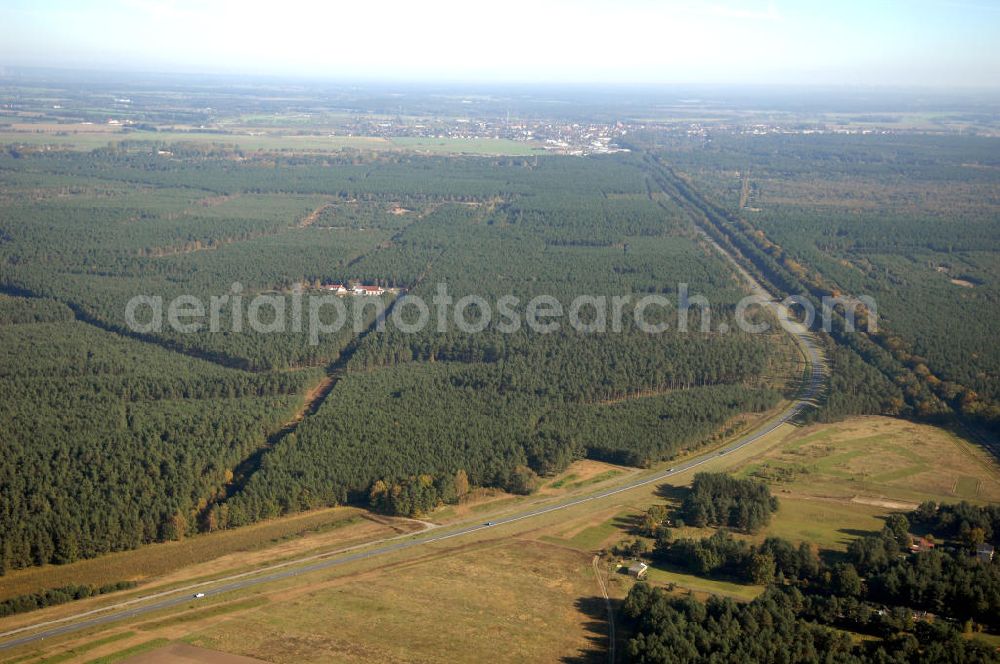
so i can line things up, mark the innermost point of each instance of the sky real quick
(933, 43)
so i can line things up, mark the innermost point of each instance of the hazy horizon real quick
(921, 44)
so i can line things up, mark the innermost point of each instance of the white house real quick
(339, 289)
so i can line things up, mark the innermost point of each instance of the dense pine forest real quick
(110, 442)
(406, 421)
(911, 221)
(772, 629)
(115, 437)
(908, 603)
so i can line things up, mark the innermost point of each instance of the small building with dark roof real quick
(638, 569)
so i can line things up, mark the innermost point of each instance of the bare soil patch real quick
(182, 653)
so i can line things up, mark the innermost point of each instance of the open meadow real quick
(513, 600)
(881, 462)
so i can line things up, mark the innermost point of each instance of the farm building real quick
(352, 289)
(638, 569)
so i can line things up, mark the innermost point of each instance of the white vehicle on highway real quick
(199, 595)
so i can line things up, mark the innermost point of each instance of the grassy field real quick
(879, 461)
(511, 601)
(592, 532)
(80, 137)
(178, 651)
(129, 652)
(517, 601)
(85, 648)
(203, 614)
(594, 537)
(702, 586)
(584, 472)
(837, 481)
(830, 525)
(507, 599)
(845, 477)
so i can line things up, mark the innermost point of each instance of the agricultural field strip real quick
(809, 391)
